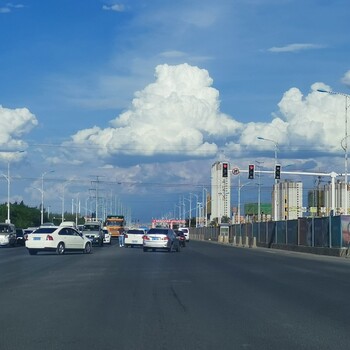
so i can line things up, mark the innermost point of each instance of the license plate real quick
(37, 238)
(154, 238)
(134, 241)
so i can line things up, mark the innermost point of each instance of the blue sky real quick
(147, 95)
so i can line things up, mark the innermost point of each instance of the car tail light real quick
(166, 238)
(49, 238)
(125, 236)
(146, 238)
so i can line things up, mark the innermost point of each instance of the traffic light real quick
(224, 169)
(251, 171)
(277, 172)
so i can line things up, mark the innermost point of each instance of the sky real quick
(135, 100)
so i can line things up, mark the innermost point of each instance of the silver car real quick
(8, 235)
(161, 238)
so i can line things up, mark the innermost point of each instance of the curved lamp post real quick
(42, 195)
(275, 191)
(8, 179)
(344, 144)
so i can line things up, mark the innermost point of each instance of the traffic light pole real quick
(332, 175)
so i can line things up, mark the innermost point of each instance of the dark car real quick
(28, 231)
(20, 240)
(181, 237)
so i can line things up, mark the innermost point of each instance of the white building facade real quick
(289, 200)
(340, 192)
(220, 190)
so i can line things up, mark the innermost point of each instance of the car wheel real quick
(87, 249)
(32, 251)
(60, 248)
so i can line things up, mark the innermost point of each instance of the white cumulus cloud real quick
(14, 123)
(176, 114)
(314, 121)
(346, 79)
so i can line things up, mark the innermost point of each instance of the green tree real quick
(21, 215)
(225, 220)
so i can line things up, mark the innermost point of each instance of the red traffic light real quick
(251, 171)
(224, 170)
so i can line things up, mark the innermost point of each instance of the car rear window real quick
(136, 232)
(157, 231)
(45, 230)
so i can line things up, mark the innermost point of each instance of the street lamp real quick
(8, 178)
(344, 144)
(275, 190)
(190, 211)
(197, 201)
(205, 209)
(42, 194)
(63, 189)
(239, 197)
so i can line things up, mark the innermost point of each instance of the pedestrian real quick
(121, 239)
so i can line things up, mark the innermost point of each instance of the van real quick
(8, 235)
(68, 224)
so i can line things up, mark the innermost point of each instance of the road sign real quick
(235, 171)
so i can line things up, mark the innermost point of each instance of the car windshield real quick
(45, 230)
(91, 228)
(4, 229)
(114, 223)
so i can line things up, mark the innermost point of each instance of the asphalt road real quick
(208, 296)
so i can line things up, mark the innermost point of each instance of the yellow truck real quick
(115, 225)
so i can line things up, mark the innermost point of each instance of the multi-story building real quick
(220, 191)
(340, 194)
(289, 200)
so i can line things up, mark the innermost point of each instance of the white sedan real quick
(58, 239)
